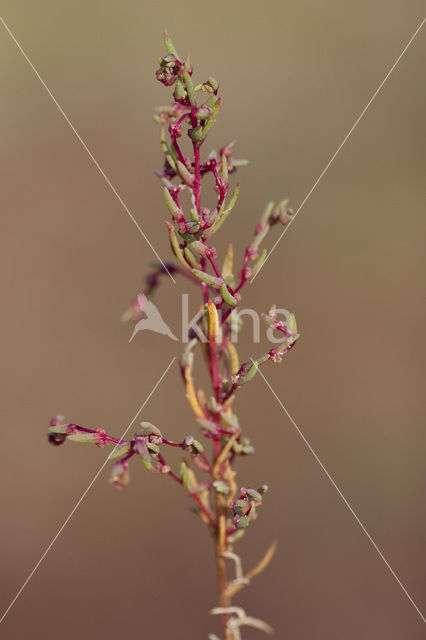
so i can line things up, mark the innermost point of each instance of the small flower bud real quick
(254, 495)
(248, 450)
(166, 75)
(241, 507)
(120, 476)
(102, 437)
(196, 133)
(57, 420)
(180, 91)
(221, 487)
(212, 83)
(147, 429)
(203, 112)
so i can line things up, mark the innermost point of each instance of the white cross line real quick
(333, 157)
(343, 498)
(84, 145)
(84, 494)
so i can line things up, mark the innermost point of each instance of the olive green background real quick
(294, 77)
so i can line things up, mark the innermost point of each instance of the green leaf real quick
(208, 279)
(169, 45)
(221, 487)
(243, 522)
(120, 450)
(89, 438)
(228, 297)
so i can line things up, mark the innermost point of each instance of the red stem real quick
(197, 177)
(200, 454)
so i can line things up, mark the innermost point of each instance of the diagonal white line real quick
(333, 157)
(84, 145)
(343, 497)
(84, 494)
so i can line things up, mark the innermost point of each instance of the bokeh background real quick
(294, 77)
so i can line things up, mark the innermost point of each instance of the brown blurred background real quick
(294, 77)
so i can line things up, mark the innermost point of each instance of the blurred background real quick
(294, 77)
